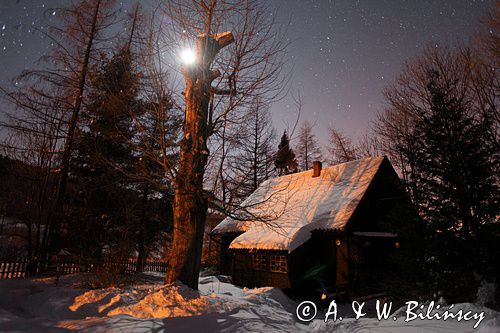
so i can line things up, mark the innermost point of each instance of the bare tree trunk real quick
(190, 206)
(190, 203)
(141, 243)
(222, 160)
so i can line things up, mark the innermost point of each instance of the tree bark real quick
(190, 206)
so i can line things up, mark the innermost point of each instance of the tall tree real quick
(104, 155)
(248, 61)
(453, 164)
(190, 203)
(307, 148)
(439, 131)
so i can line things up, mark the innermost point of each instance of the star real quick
(338, 49)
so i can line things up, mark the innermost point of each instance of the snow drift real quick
(38, 305)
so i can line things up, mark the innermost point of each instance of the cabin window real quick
(278, 264)
(269, 263)
(259, 261)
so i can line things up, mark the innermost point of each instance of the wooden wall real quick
(245, 275)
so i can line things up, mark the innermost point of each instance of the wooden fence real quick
(22, 268)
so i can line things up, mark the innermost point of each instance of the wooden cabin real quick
(323, 229)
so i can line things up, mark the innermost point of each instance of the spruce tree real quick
(454, 173)
(285, 160)
(105, 156)
(453, 164)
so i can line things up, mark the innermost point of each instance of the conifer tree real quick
(285, 160)
(453, 165)
(104, 156)
(454, 174)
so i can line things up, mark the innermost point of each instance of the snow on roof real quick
(296, 204)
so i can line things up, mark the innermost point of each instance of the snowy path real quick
(39, 306)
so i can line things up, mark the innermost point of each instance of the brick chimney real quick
(316, 168)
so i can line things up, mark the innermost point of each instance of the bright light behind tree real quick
(188, 56)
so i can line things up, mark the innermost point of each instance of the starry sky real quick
(342, 54)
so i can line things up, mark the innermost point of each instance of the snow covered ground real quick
(38, 305)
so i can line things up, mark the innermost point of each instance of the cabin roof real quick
(295, 204)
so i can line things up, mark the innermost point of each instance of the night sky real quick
(343, 52)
